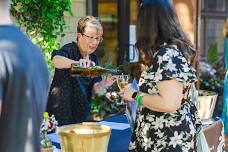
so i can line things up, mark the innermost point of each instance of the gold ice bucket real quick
(85, 137)
(206, 104)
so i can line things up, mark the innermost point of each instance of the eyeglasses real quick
(98, 39)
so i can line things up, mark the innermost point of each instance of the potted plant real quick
(49, 124)
(212, 75)
(107, 103)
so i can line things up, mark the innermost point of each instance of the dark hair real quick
(157, 23)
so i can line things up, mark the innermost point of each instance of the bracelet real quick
(134, 95)
(139, 98)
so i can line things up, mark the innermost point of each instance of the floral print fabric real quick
(166, 132)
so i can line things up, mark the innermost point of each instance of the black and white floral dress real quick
(166, 132)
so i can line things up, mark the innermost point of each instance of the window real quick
(213, 15)
(202, 4)
(216, 5)
(108, 48)
(214, 33)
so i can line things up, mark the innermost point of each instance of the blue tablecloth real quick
(119, 139)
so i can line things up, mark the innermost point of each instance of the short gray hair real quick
(83, 23)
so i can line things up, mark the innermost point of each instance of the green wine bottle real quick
(92, 71)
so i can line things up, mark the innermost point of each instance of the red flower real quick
(50, 125)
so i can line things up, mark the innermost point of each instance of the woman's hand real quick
(108, 81)
(127, 92)
(105, 83)
(86, 62)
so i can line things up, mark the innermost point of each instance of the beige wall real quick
(79, 10)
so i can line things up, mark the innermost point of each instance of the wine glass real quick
(122, 81)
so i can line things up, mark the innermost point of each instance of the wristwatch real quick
(134, 95)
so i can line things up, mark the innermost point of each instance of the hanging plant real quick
(43, 21)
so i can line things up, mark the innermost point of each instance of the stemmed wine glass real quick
(122, 81)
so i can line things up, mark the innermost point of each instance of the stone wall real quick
(79, 10)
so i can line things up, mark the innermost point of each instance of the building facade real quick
(79, 9)
(202, 20)
(213, 15)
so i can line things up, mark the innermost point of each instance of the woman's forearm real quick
(105, 83)
(97, 87)
(61, 62)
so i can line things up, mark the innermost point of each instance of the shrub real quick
(43, 21)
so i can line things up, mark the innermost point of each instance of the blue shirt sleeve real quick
(59, 52)
(2, 73)
(1, 91)
(65, 50)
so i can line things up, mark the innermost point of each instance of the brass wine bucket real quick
(85, 137)
(206, 104)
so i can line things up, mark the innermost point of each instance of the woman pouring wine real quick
(70, 97)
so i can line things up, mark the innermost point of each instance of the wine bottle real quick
(76, 70)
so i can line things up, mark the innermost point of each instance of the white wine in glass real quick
(122, 81)
(121, 85)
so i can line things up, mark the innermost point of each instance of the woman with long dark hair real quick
(167, 119)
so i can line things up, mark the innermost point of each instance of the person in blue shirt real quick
(24, 84)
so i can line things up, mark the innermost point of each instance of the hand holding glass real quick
(122, 81)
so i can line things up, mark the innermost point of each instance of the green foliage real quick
(43, 21)
(107, 102)
(213, 53)
(212, 71)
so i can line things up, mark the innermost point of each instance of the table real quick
(120, 139)
(214, 134)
